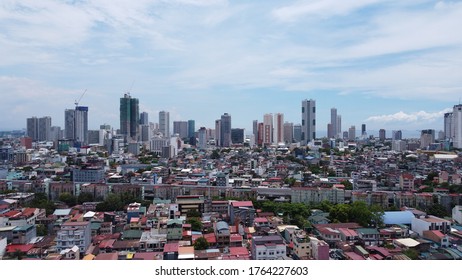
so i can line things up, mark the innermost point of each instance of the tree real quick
(348, 185)
(196, 224)
(201, 244)
(413, 254)
(42, 230)
(85, 197)
(68, 198)
(193, 213)
(111, 203)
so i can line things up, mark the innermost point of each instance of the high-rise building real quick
(308, 121)
(191, 129)
(44, 129)
(218, 133)
(330, 132)
(32, 128)
(81, 125)
(164, 123)
(129, 117)
(261, 130)
(237, 136)
(202, 135)
(145, 132)
(333, 132)
(288, 132)
(181, 128)
(339, 125)
(457, 122)
(267, 129)
(225, 130)
(382, 134)
(69, 124)
(448, 126)
(144, 118)
(352, 133)
(297, 133)
(363, 129)
(278, 128)
(55, 133)
(255, 128)
(427, 137)
(396, 135)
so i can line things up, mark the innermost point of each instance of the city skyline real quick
(197, 59)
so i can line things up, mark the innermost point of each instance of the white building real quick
(3, 244)
(419, 225)
(71, 253)
(457, 123)
(270, 247)
(457, 213)
(74, 233)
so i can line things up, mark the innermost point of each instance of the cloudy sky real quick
(390, 64)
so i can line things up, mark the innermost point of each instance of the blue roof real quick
(397, 217)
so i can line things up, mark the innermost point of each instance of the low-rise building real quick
(419, 225)
(74, 234)
(270, 247)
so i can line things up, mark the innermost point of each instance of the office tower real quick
(202, 135)
(81, 125)
(345, 135)
(191, 129)
(396, 135)
(333, 132)
(382, 134)
(144, 118)
(180, 128)
(237, 136)
(55, 133)
(457, 123)
(32, 128)
(93, 137)
(218, 133)
(363, 129)
(129, 117)
(164, 123)
(308, 121)
(288, 132)
(278, 128)
(448, 126)
(297, 133)
(267, 129)
(225, 130)
(352, 133)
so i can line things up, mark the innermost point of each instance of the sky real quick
(390, 64)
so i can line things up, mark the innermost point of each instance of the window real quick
(303, 109)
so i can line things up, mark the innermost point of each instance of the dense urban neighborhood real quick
(350, 200)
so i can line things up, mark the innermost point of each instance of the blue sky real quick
(390, 64)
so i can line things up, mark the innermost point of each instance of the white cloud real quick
(419, 116)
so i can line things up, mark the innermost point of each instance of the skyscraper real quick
(382, 135)
(352, 133)
(288, 132)
(396, 135)
(278, 128)
(191, 128)
(308, 121)
(339, 125)
(202, 135)
(69, 124)
(32, 128)
(181, 128)
(164, 123)
(297, 133)
(333, 132)
(363, 129)
(44, 129)
(129, 117)
(225, 130)
(267, 129)
(457, 122)
(218, 133)
(237, 136)
(81, 125)
(448, 126)
(144, 118)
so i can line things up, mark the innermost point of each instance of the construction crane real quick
(78, 100)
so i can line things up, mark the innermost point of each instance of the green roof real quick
(132, 234)
(367, 230)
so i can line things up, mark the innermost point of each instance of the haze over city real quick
(389, 64)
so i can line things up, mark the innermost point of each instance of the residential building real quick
(32, 128)
(144, 118)
(267, 129)
(81, 125)
(92, 174)
(278, 128)
(242, 212)
(74, 234)
(319, 249)
(421, 224)
(382, 134)
(298, 133)
(24, 234)
(270, 247)
(181, 128)
(449, 126)
(288, 132)
(225, 130)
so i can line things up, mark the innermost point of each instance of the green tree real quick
(193, 213)
(85, 197)
(413, 254)
(68, 198)
(196, 224)
(41, 230)
(348, 185)
(201, 244)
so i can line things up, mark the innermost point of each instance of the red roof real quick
(211, 238)
(23, 248)
(171, 247)
(28, 212)
(107, 243)
(354, 256)
(242, 204)
(235, 238)
(238, 251)
(12, 213)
